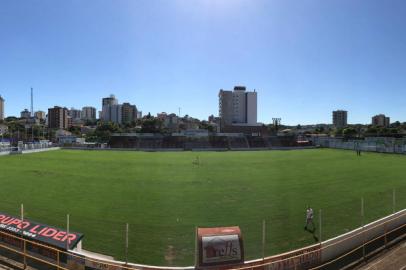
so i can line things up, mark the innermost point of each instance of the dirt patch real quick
(170, 255)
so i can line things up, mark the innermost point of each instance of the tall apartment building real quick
(118, 113)
(340, 118)
(40, 115)
(129, 113)
(75, 114)
(58, 117)
(238, 106)
(25, 114)
(380, 120)
(88, 113)
(1, 108)
(111, 100)
(109, 107)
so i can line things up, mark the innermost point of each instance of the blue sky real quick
(305, 58)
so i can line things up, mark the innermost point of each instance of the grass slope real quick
(164, 196)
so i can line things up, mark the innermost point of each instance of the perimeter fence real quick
(173, 243)
(370, 144)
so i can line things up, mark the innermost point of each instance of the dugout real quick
(21, 240)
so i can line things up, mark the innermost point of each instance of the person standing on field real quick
(358, 148)
(309, 218)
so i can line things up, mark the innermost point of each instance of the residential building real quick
(118, 113)
(58, 117)
(108, 108)
(40, 115)
(162, 115)
(169, 121)
(238, 106)
(1, 108)
(3, 129)
(111, 100)
(340, 118)
(214, 119)
(380, 120)
(75, 114)
(139, 114)
(88, 113)
(129, 113)
(115, 114)
(25, 114)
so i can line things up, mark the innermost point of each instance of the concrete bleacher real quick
(173, 142)
(149, 143)
(238, 142)
(210, 142)
(257, 142)
(197, 143)
(219, 142)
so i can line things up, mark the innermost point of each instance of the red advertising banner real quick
(39, 232)
(300, 259)
(219, 246)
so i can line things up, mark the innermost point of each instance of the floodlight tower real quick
(276, 123)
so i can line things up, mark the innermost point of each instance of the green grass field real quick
(163, 196)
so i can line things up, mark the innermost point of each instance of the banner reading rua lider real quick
(39, 232)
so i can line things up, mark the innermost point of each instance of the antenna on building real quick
(32, 102)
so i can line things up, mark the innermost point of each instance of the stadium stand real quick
(239, 142)
(173, 142)
(197, 143)
(257, 142)
(123, 141)
(228, 141)
(153, 142)
(219, 142)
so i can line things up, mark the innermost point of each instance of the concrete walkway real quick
(393, 259)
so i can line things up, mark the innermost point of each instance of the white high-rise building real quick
(238, 106)
(1, 108)
(107, 108)
(116, 113)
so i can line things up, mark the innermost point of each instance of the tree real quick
(349, 132)
(75, 130)
(338, 132)
(103, 132)
(395, 124)
(152, 125)
(371, 131)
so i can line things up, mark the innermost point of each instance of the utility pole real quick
(32, 102)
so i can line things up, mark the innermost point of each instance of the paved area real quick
(393, 259)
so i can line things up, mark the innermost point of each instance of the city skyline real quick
(96, 111)
(305, 59)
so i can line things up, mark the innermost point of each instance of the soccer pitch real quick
(165, 195)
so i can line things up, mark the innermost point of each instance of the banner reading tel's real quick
(39, 232)
(221, 246)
